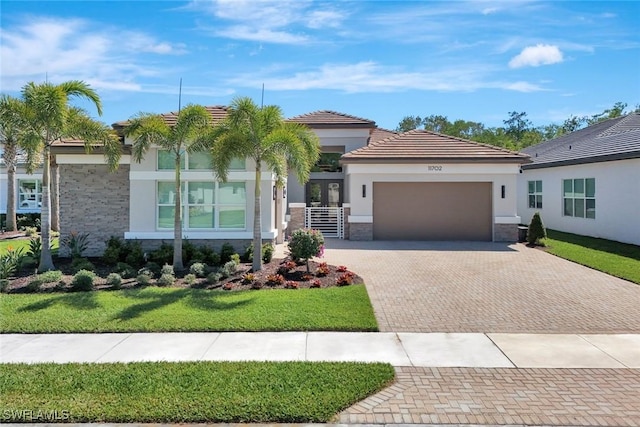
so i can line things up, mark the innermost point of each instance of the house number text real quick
(434, 168)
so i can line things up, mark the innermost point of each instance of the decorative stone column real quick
(296, 217)
(347, 211)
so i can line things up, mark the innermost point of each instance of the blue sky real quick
(382, 60)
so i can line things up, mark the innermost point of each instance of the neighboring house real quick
(587, 182)
(28, 188)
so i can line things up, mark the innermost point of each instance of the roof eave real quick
(423, 160)
(586, 160)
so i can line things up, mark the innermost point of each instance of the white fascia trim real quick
(190, 175)
(88, 159)
(507, 220)
(360, 219)
(297, 205)
(200, 235)
(346, 205)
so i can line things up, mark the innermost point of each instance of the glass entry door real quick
(324, 193)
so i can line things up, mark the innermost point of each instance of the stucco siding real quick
(617, 199)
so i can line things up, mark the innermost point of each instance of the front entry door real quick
(324, 193)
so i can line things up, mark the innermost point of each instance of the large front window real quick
(206, 205)
(193, 161)
(29, 194)
(579, 197)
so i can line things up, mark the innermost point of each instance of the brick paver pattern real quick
(486, 287)
(585, 397)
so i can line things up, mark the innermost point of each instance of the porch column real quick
(296, 217)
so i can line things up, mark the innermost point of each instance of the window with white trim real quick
(535, 194)
(579, 197)
(200, 160)
(29, 194)
(206, 205)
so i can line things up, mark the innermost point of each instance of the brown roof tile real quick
(379, 134)
(418, 146)
(332, 119)
(218, 112)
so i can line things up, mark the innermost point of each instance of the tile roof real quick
(418, 146)
(218, 112)
(332, 119)
(614, 139)
(379, 134)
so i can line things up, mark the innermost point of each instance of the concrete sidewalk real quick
(465, 350)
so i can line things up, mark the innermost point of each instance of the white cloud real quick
(534, 56)
(269, 21)
(375, 78)
(64, 49)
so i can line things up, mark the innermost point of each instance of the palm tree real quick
(11, 112)
(146, 129)
(261, 134)
(49, 118)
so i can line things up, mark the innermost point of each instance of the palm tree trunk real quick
(55, 196)
(11, 198)
(177, 221)
(46, 262)
(257, 220)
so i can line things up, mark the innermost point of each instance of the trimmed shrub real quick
(125, 270)
(167, 269)
(146, 271)
(114, 251)
(214, 278)
(143, 279)
(229, 269)
(267, 252)
(235, 258)
(536, 230)
(226, 252)
(209, 256)
(198, 269)
(114, 280)
(81, 264)
(135, 254)
(83, 281)
(166, 280)
(34, 285)
(30, 231)
(190, 279)
(306, 244)
(50, 276)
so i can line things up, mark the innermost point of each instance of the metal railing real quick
(330, 221)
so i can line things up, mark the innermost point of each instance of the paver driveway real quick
(486, 287)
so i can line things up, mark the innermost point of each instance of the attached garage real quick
(432, 211)
(421, 185)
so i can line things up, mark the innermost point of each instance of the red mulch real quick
(297, 277)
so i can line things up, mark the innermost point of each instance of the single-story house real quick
(369, 183)
(587, 182)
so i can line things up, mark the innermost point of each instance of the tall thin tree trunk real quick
(177, 221)
(11, 198)
(257, 220)
(55, 195)
(46, 262)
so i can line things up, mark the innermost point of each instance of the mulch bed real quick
(297, 277)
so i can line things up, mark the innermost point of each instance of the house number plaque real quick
(434, 168)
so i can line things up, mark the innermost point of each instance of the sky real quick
(381, 60)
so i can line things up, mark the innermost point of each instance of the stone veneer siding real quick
(296, 221)
(360, 231)
(95, 201)
(505, 232)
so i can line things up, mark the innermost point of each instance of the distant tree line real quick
(518, 131)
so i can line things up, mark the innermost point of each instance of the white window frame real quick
(535, 194)
(575, 199)
(216, 205)
(33, 200)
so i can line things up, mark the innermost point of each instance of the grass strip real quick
(155, 309)
(190, 392)
(614, 258)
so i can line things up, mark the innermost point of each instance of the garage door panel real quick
(432, 211)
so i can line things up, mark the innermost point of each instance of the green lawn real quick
(614, 258)
(193, 392)
(21, 243)
(155, 309)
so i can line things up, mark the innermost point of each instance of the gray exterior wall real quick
(95, 201)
